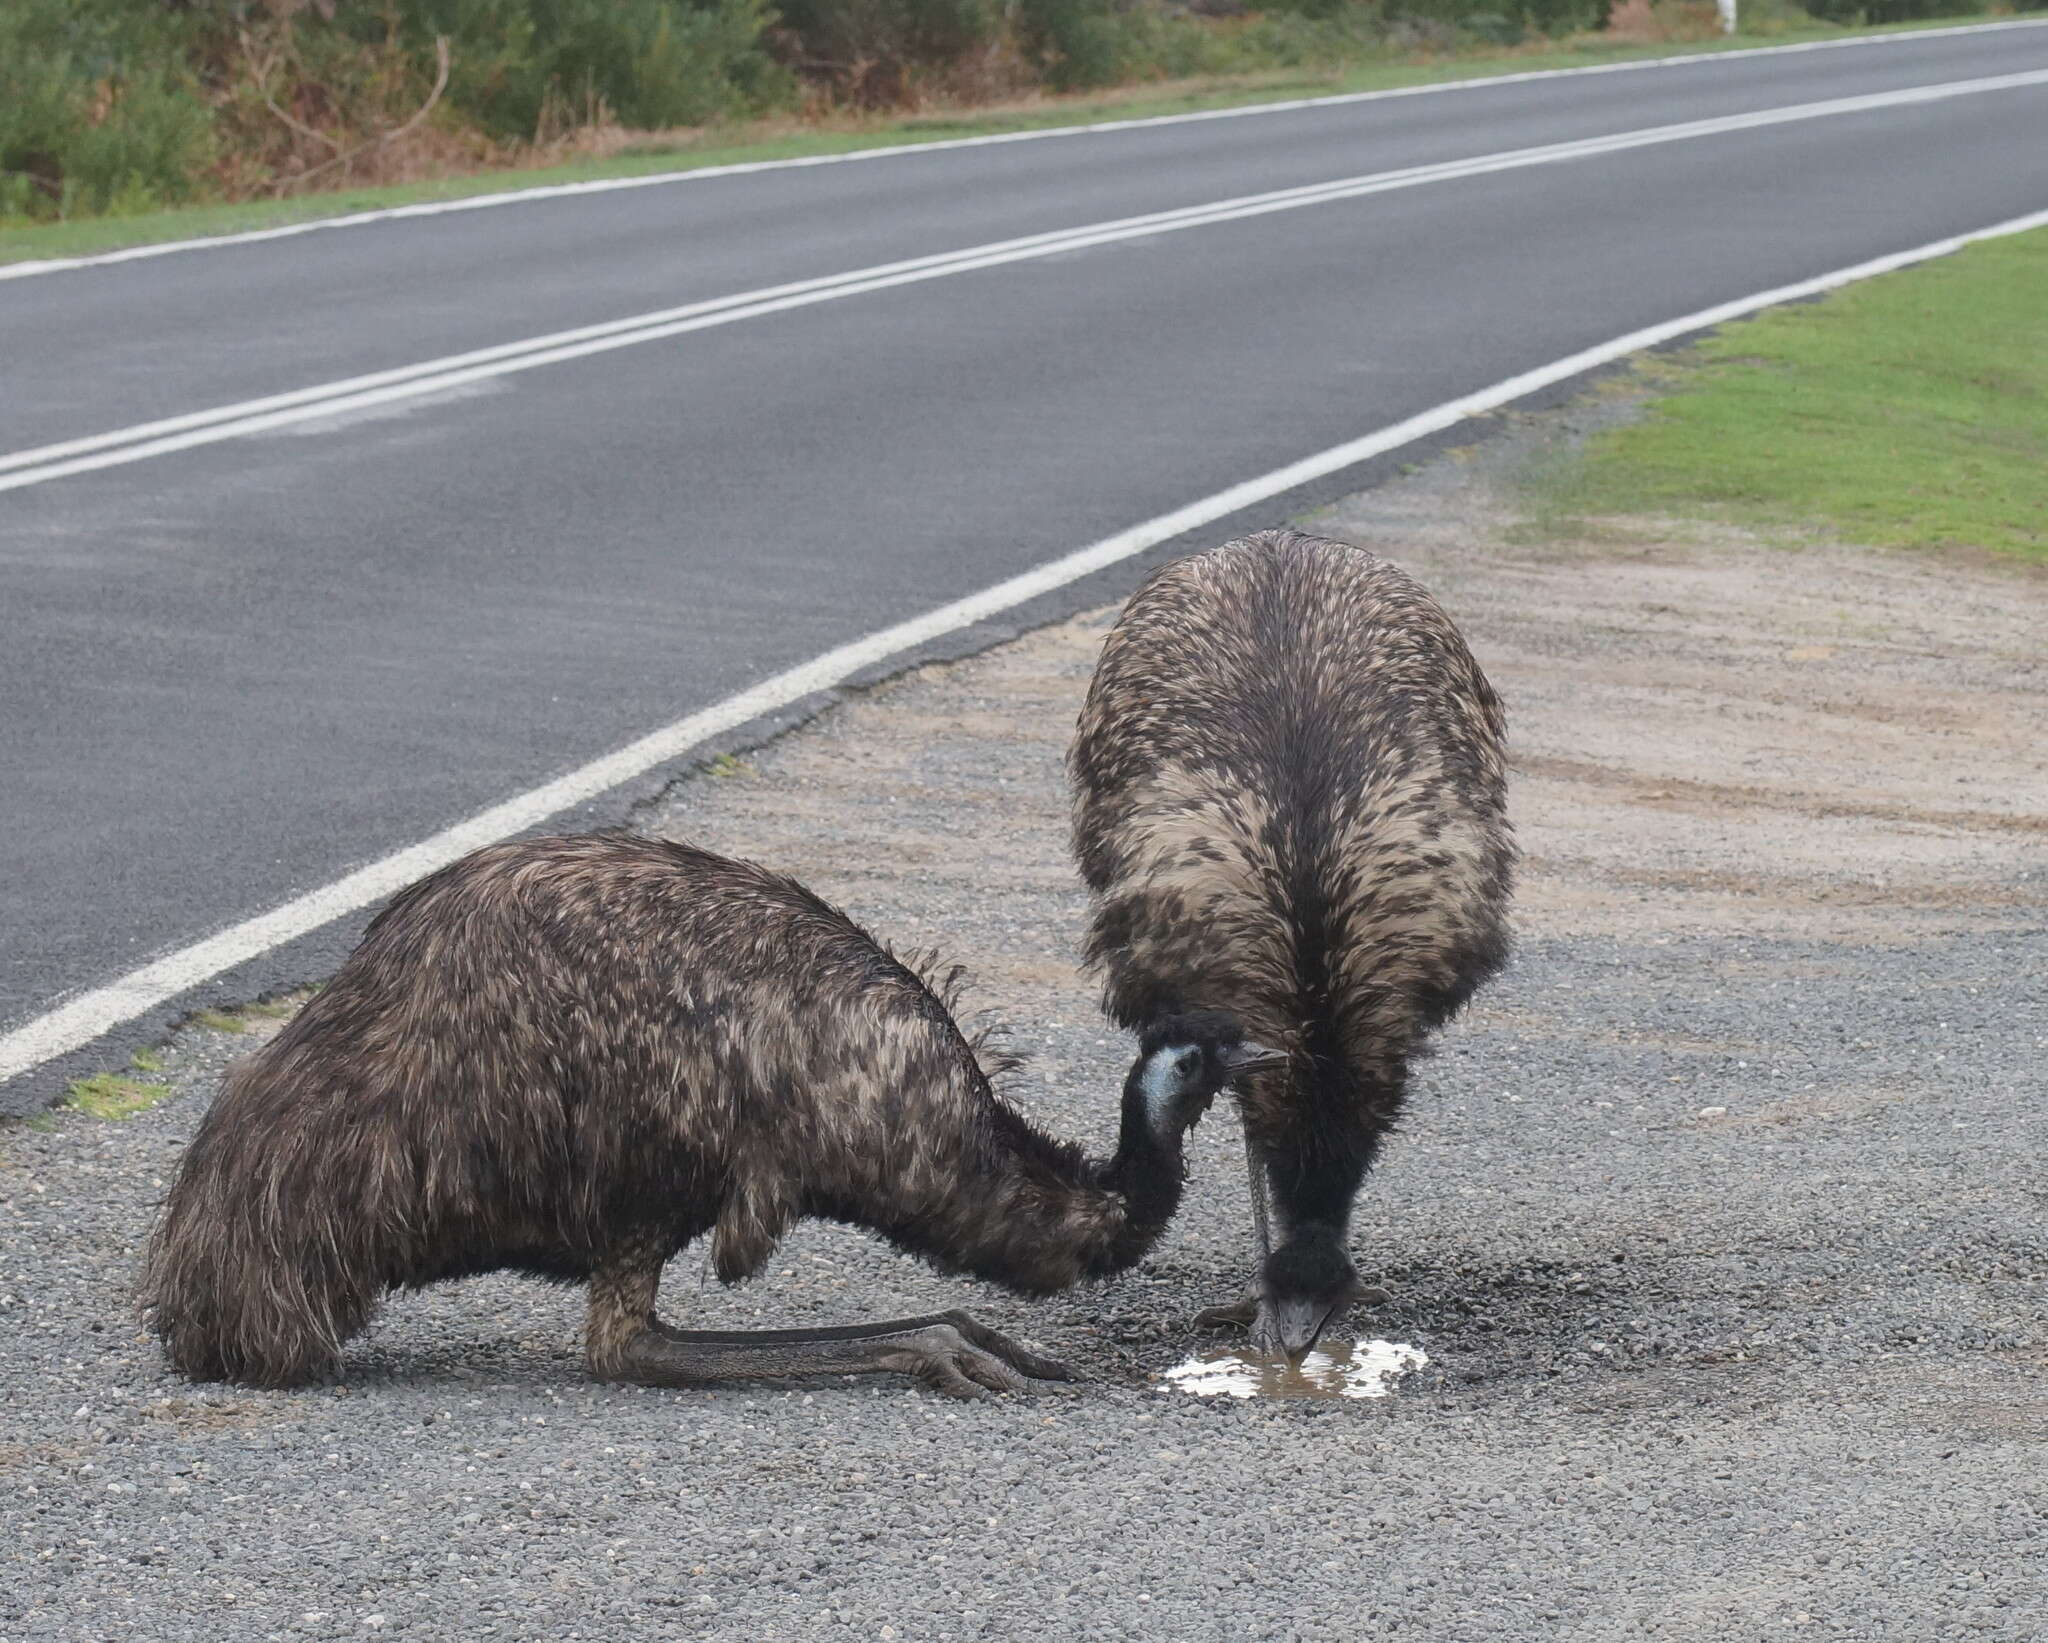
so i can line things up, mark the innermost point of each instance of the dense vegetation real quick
(124, 105)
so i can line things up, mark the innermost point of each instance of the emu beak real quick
(1248, 1057)
(1293, 1324)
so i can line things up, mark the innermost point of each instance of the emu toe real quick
(963, 1359)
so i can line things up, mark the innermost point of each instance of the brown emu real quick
(572, 1057)
(1290, 803)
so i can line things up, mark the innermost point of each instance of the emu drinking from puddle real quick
(1289, 802)
(574, 1056)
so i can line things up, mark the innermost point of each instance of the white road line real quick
(606, 185)
(44, 463)
(90, 1014)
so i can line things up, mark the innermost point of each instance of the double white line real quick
(134, 444)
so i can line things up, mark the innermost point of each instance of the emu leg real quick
(1308, 1282)
(1259, 1183)
(1240, 1314)
(948, 1351)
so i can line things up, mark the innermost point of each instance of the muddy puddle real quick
(1344, 1369)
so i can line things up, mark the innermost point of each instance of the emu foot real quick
(948, 1351)
(959, 1357)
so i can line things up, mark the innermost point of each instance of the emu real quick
(573, 1056)
(1289, 802)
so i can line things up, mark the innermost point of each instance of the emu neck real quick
(1147, 1170)
(1017, 1206)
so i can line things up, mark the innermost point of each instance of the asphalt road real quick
(235, 671)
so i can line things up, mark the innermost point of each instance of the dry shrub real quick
(1653, 22)
(311, 94)
(993, 73)
(1423, 35)
(322, 110)
(901, 54)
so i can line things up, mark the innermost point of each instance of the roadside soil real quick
(1719, 1217)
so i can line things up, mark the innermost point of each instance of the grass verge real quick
(1910, 411)
(240, 1018)
(114, 1096)
(768, 140)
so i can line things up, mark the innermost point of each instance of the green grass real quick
(117, 1095)
(1909, 411)
(237, 1018)
(737, 145)
(114, 1096)
(221, 1021)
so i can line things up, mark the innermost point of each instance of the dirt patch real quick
(1713, 730)
(190, 1415)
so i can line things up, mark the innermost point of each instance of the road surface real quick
(237, 669)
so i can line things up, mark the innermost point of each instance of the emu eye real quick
(1189, 1064)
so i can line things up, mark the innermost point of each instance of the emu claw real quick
(963, 1359)
(1021, 1357)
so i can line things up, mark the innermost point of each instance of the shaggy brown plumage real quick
(572, 1057)
(1290, 802)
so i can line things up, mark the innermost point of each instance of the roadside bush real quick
(878, 53)
(1506, 22)
(1078, 45)
(1081, 44)
(98, 110)
(1892, 11)
(360, 90)
(531, 69)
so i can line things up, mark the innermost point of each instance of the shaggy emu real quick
(1290, 803)
(573, 1056)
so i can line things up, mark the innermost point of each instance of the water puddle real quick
(1344, 1369)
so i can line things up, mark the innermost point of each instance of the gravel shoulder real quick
(1719, 1216)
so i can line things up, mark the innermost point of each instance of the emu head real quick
(1304, 1286)
(1185, 1060)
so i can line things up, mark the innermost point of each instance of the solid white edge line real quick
(606, 185)
(92, 1013)
(42, 464)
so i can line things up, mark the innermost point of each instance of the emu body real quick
(573, 1057)
(1289, 802)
